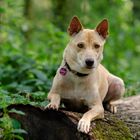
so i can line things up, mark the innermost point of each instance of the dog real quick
(82, 83)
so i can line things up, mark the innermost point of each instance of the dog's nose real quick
(89, 62)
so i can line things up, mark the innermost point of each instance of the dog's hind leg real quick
(115, 91)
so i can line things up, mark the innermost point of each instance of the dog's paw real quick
(52, 106)
(83, 126)
(112, 108)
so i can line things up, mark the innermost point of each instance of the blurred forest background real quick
(33, 35)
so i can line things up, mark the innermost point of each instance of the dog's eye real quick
(80, 45)
(97, 46)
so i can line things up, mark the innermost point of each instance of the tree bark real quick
(28, 14)
(28, 9)
(63, 10)
(62, 125)
(129, 112)
(2, 6)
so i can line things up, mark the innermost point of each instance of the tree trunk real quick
(63, 10)
(2, 6)
(62, 124)
(28, 9)
(28, 14)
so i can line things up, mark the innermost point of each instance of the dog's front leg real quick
(96, 111)
(54, 101)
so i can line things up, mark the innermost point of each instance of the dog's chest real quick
(74, 88)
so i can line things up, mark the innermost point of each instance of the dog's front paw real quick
(84, 125)
(52, 106)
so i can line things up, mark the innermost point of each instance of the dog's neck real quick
(75, 72)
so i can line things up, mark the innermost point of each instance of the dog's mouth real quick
(90, 67)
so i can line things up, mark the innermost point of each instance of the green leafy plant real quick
(11, 128)
(32, 40)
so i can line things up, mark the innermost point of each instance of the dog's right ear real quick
(75, 26)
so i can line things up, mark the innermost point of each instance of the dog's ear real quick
(102, 28)
(75, 26)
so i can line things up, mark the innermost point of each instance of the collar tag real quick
(63, 71)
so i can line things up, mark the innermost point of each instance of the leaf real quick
(19, 131)
(39, 95)
(44, 103)
(15, 123)
(17, 112)
(24, 88)
(39, 74)
(18, 137)
(2, 10)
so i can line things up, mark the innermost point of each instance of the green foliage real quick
(11, 128)
(33, 37)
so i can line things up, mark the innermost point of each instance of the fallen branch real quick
(62, 124)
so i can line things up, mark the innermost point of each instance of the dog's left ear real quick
(102, 28)
(75, 26)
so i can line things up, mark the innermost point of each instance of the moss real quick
(111, 129)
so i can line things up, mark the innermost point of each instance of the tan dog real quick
(81, 82)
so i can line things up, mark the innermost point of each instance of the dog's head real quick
(84, 52)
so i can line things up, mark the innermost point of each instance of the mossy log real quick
(62, 125)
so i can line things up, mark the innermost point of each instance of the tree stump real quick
(62, 125)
